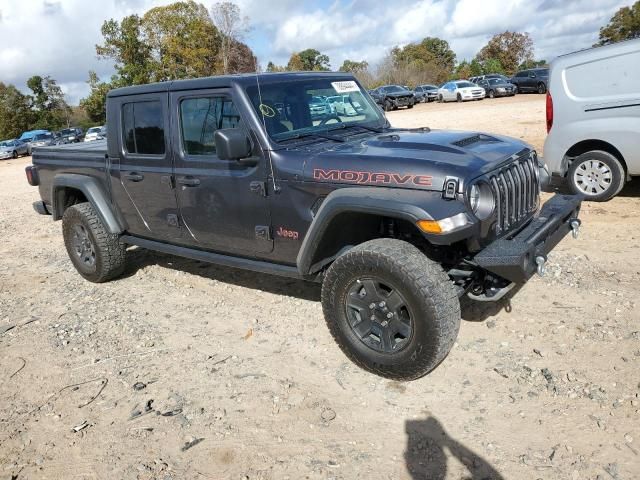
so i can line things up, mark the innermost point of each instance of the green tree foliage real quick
(309, 60)
(354, 67)
(432, 56)
(492, 65)
(95, 104)
(16, 115)
(182, 40)
(123, 43)
(624, 25)
(509, 48)
(50, 108)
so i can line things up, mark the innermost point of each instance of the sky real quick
(58, 37)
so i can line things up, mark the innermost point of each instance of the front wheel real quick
(96, 254)
(391, 310)
(14, 154)
(515, 90)
(491, 94)
(459, 98)
(597, 175)
(440, 99)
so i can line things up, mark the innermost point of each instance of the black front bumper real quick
(514, 257)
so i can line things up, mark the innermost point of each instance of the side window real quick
(200, 118)
(143, 128)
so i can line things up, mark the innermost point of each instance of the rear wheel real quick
(542, 88)
(391, 310)
(597, 175)
(96, 254)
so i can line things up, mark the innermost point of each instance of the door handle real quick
(134, 177)
(188, 181)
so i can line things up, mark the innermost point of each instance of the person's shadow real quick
(426, 458)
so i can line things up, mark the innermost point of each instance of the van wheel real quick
(96, 254)
(597, 175)
(392, 310)
(542, 88)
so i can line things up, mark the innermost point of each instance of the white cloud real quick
(58, 37)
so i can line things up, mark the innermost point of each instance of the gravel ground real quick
(182, 370)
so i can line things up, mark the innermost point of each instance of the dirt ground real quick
(182, 370)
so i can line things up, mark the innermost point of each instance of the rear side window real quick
(200, 118)
(143, 128)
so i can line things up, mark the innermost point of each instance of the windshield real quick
(395, 89)
(495, 81)
(465, 84)
(93, 130)
(42, 136)
(285, 107)
(68, 131)
(4, 144)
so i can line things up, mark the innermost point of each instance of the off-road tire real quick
(430, 296)
(617, 173)
(109, 251)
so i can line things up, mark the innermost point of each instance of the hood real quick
(415, 159)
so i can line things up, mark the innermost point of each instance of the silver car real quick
(593, 119)
(13, 149)
(42, 140)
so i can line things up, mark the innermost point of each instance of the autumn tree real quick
(16, 115)
(272, 67)
(308, 60)
(50, 108)
(183, 41)
(232, 27)
(624, 25)
(509, 48)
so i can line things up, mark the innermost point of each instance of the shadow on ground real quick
(426, 458)
(138, 258)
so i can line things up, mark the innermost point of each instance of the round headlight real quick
(481, 200)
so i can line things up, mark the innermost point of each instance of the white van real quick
(593, 119)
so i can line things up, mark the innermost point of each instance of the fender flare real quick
(95, 194)
(386, 202)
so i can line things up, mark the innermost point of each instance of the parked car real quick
(93, 134)
(399, 225)
(42, 140)
(318, 107)
(534, 80)
(487, 76)
(460, 91)
(426, 93)
(27, 136)
(593, 119)
(71, 135)
(13, 149)
(344, 105)
(392, 97)
(496, 87)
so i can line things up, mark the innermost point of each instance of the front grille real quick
(516, 189)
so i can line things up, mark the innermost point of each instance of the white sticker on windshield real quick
(345, 87)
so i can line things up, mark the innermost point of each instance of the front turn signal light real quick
(429, 226)
(446, 225)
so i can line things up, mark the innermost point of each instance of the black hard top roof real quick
(244, 79)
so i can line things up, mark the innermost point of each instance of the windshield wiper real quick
(326, 136)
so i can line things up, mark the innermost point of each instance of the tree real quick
(123, 43)
(241, 59)
(16, 115)
(493, 65)
(430, 60)
(183, 41)
(624, 25)
(295, 63)
(95, 104)
(354, 67)
(272, 67)
(509, 48)
(308, 60)
(232, 27)
(50, 108)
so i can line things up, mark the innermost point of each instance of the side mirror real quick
(231, 144)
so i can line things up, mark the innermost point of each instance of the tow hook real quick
(541, 262)
(575, 228)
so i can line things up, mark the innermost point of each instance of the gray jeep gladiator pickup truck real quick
(401, 226)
